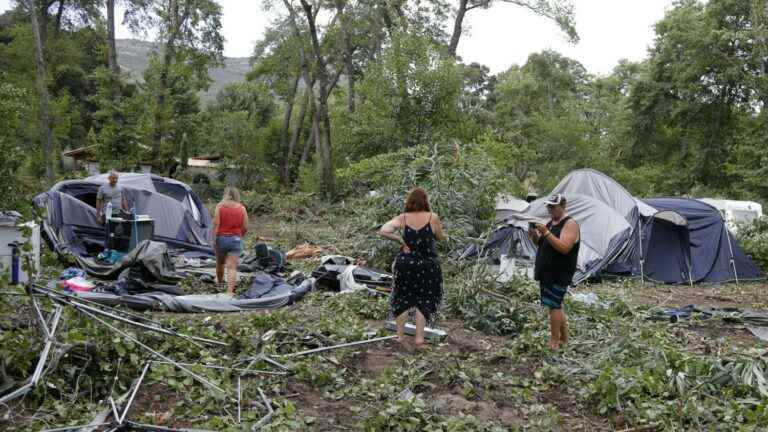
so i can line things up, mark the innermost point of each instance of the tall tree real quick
(111, 45)
(559, 11)
(327, 174)
(344, 11)
(42, 88)
(191, 32)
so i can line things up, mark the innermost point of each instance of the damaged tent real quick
(686, 241)
(69, 209)
(668, 240)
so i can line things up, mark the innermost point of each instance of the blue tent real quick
(704, 251)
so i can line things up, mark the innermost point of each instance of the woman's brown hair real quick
(417, 201)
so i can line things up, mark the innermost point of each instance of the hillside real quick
(134, 55)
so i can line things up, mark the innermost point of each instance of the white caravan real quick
(735, 212)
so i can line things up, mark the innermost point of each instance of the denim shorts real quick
(552, 294)
(229, 245)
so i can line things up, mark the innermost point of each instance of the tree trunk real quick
(348, 51)
(162, 86)
(42, 19)
(111, 45)
(457, 28)
(324, 133)
(310, 139)
(285, 163)
(42, 87)
(59, 14)
(296, 134)
(307, 147)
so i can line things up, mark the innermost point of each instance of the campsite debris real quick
(155, 428)
(239, 400)
(344, 345)
(303, 251)
(759, 332)
(70, 300)
(406, 395)
(270, 412)
(590, 299)
(210, 366)
(133, 395)
(38, 373)
(75, 428)
(115, 414)
(156, 353)
(410, 329)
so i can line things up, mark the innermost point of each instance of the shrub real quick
(753, 238)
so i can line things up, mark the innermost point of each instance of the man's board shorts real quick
(229, 245)
(552, 294)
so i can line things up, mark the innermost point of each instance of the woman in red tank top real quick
(230, 223)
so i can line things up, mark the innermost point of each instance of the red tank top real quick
(230, 221)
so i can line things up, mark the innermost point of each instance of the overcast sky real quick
(501, 36)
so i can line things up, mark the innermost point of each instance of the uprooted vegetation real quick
(493, 372)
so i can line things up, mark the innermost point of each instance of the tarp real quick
(180, 218)
(278, 297)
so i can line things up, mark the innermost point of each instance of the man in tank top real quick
(558, 249)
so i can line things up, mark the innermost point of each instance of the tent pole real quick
(730, 249)
(642, 256)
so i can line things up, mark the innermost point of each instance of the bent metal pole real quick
(72, 301)
(195, 376)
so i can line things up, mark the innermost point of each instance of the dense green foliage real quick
(753, 238)
(693, 108)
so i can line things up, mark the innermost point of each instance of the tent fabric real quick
(599, 186)
(180, 218)
(276, 298)
(151, 256)
(603, 232)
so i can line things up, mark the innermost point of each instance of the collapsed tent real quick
(274, 296)
(669, 240)
(69, 209)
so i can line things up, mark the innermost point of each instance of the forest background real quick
(340, 92)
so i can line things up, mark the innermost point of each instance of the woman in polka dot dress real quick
(418, 276)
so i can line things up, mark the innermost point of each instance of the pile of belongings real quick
(267, 292)
(263, 258)
(146, 279)
(339, 273)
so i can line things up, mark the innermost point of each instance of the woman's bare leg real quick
(232, 261)
(421, 322)
(400, 321)
(220, 268)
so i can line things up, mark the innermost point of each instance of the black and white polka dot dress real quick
(418, 276)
